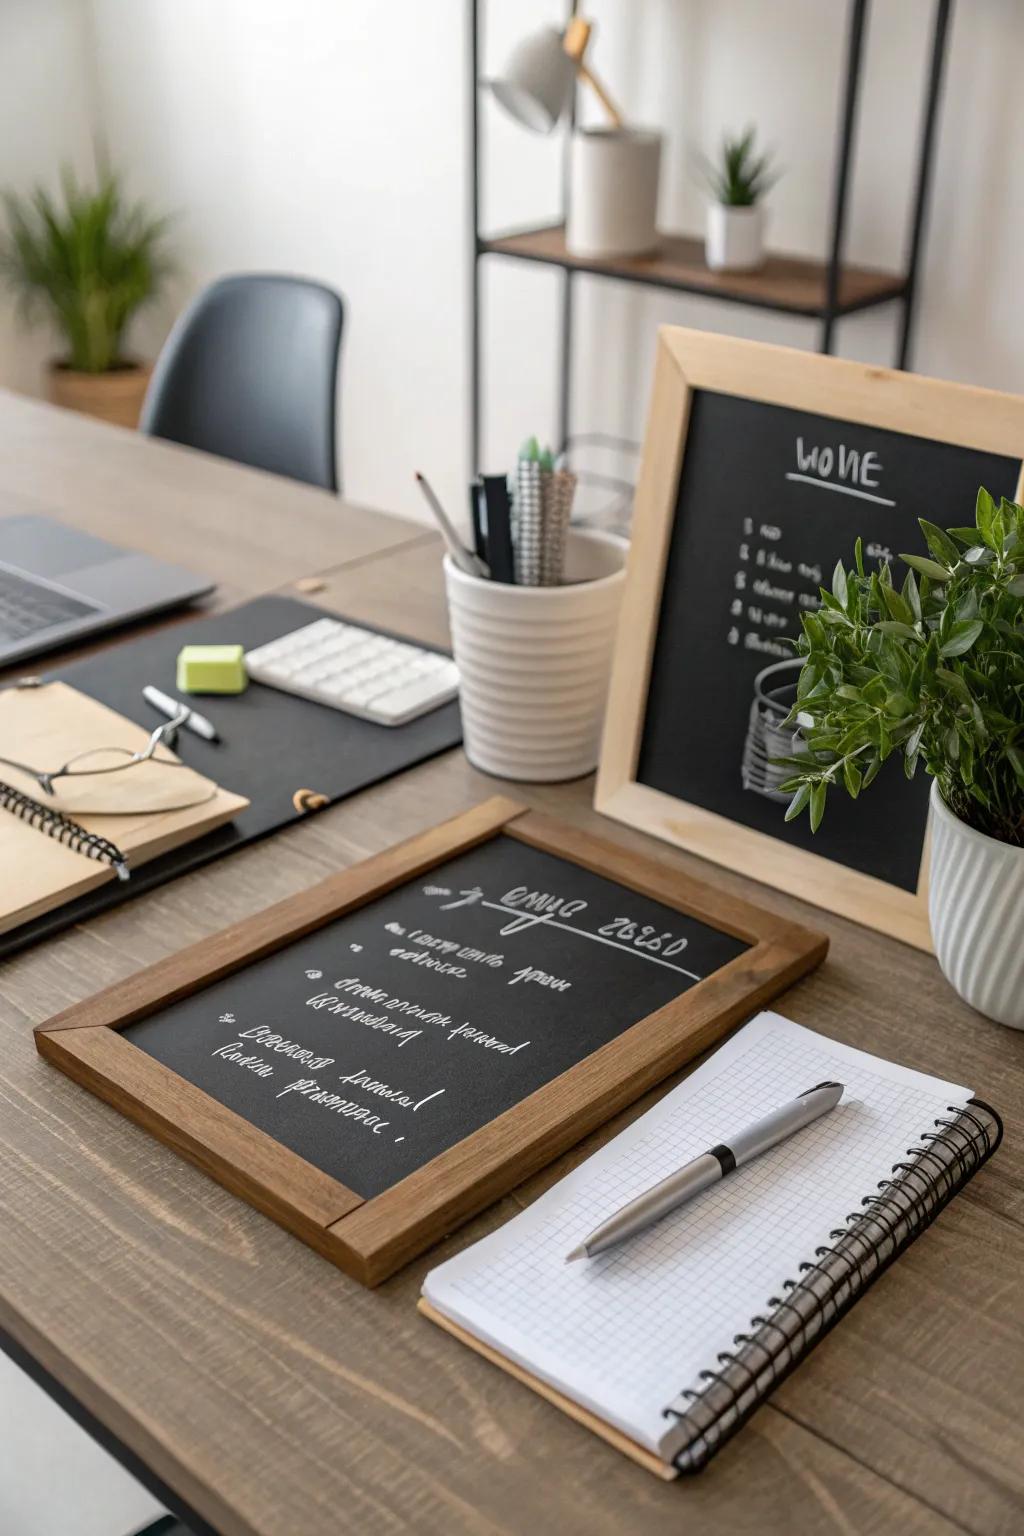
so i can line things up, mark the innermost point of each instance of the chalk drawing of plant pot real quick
(774, 697)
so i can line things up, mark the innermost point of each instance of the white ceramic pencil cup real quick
(534, 662)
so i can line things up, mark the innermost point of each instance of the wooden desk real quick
(277, 1398)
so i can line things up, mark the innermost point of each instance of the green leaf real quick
(851, 778)
(940, 543)
(954, 683)
(897, 605)
(871, 771)
(985, 513)
(809, 675)
(839, 586)
(798, 802)
(894, 627)
(1016, 587)
(929, 568)
(912, 597)
(961, 637)
(817, 806)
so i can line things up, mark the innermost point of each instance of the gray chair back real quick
(250, 372)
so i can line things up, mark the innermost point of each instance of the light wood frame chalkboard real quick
(850, 392)
(371, 1238)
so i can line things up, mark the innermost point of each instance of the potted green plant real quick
(87, 260)
(932, 675)
(738, 180)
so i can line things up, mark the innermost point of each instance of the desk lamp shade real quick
(613, 171)
(537, 81)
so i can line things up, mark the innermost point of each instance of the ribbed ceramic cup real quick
(534, 661)
(976, 906)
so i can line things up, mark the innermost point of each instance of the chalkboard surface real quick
(393, 1032)
(769, 499)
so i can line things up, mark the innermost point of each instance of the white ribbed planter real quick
(534, 662)
(976, 906)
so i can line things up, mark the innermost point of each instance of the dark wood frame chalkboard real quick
(859, 393)
(371, 1238)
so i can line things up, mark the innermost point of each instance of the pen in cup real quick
(464, 558)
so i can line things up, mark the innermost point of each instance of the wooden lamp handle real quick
(577, 36)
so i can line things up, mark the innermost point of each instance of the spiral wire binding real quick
(840, 1272)
(55, 824)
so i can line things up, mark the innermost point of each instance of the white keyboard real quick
(345, 667)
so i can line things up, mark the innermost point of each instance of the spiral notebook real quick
(666, 1344)
(41, 870)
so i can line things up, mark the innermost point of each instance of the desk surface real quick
(278, 1398)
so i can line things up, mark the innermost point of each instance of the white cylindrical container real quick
(734, 240)
(534, 662)
(976, 906)
(613, 192)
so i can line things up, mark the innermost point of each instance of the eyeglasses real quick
(88, 774)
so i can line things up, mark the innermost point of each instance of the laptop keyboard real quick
(28, 607)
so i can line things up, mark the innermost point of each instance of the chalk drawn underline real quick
(599, 938)
(831, 485)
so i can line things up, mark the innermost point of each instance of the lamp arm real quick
(614, 115)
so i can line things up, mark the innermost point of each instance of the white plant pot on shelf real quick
(734, 239)
(976, 906)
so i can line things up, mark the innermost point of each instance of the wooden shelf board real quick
(789, 283)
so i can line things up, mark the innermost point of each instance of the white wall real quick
(329, 137)
(47, 115)
(326, 139)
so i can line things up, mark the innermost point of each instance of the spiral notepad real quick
(53, 853)
(666, 1344)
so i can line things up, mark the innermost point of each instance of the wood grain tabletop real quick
(276, 1396)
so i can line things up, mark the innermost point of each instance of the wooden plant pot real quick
(116, 396)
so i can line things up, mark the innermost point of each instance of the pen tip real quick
(577, 1253)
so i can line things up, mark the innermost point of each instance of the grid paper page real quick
(625, 1332)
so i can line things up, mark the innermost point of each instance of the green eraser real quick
(211, 669)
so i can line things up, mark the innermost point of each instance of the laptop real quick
(59, 585)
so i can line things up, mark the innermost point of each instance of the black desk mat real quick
(272, 744)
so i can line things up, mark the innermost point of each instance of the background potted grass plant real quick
(87, 260)
(933, 676)
(738, 180)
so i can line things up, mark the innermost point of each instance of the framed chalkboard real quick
(761, 468)
(371, 1061)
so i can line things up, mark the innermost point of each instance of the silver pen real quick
(193, 721)
(708, 1169)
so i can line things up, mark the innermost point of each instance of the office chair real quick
(250, 372)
